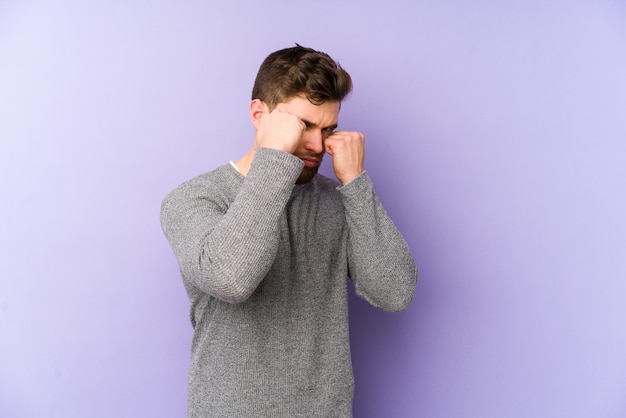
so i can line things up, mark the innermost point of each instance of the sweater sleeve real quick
(379, 261)
(226, 250)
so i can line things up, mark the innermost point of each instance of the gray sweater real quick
(265, 264)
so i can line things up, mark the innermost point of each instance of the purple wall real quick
(496, 138)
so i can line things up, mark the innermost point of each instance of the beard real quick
(307, 175)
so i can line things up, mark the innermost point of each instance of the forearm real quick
(380, 263)
(226, 250)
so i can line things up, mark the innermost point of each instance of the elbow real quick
(395, 300)
(233, 295)
(400, 303)
(229, 284)
(403, 296)
(400, 300)
(389, 291)
(223, 287)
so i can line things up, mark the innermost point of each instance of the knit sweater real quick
(265, 264)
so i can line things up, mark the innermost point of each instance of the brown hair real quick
(298, 70)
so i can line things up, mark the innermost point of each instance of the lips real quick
(310, 162)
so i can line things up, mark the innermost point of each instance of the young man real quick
(265, 247)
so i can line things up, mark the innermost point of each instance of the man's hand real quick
(348, 152)
(279, 130)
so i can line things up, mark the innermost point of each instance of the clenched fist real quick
(348, 152)
(279, 130)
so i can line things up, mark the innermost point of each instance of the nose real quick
(313, 140)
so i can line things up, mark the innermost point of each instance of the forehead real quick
(323, 115)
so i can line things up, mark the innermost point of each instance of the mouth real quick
(310, 162)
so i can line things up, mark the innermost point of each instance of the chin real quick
(306, 175)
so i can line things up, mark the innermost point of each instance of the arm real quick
(379, 261)
(223, 250)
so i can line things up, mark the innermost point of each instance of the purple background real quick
(496, 135)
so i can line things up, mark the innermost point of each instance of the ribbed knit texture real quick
(265, 264)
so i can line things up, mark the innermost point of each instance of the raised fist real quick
(279, 130)
(348, 152)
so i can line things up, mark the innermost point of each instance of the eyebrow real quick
(310, 124)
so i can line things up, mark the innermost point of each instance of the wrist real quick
(345, 179)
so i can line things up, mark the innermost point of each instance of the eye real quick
(326, 132)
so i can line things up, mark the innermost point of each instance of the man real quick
(265, 246)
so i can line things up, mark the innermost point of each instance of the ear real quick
(257, 109)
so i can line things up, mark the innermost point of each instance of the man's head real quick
(300, 71)
(308, 84)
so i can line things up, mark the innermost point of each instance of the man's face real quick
(321, 121)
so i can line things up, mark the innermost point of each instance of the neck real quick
(244, 163)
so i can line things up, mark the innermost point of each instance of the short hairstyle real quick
(294, 71)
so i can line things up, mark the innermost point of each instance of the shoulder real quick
(219, 185)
